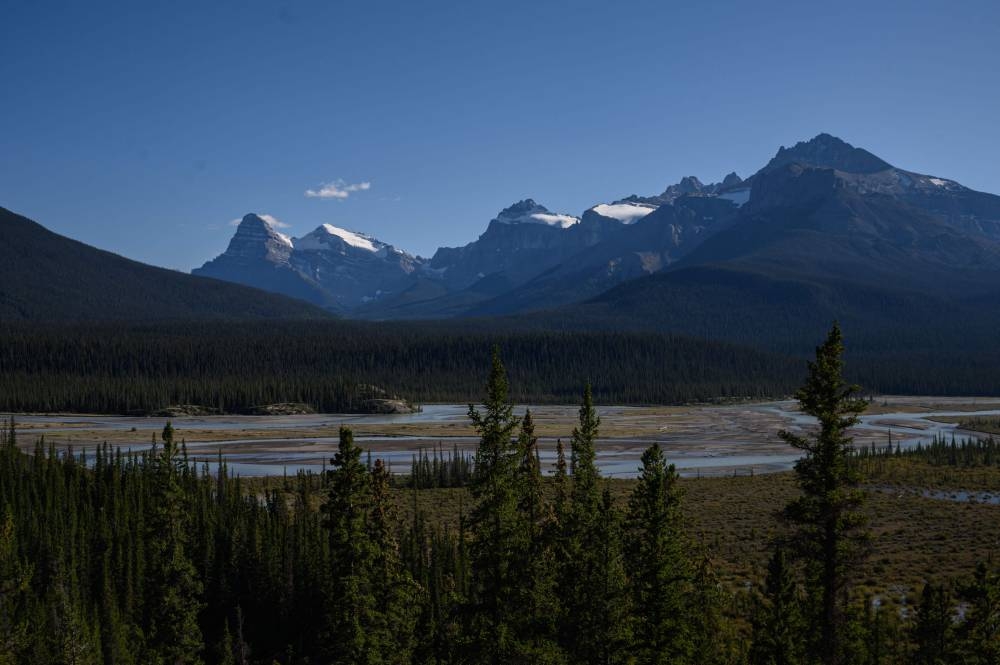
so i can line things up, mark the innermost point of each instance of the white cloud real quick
(338, 189)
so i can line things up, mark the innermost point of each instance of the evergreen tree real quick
(495, 523)
(590, 576)
(529, 477)
(585, 494)
(15, 580)
(830, 533)
(533, 562)
(560, 481)
(352, 605)
(73, 639)
(172, 585)
(117, 636)
(610, 607)
(658, 570)
(713, 638)
(778, 628)
(396, 594)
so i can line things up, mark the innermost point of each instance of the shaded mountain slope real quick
(46, 276)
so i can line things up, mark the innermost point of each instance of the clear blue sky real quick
(145, 127)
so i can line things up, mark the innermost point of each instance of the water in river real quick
(712, 440)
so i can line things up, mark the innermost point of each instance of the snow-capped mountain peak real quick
(529, 212)
(321, 238)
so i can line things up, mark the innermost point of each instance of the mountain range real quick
(824, 229)
(510, 267)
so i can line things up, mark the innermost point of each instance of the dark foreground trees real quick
(135, 559)
(173, 589)
(778, 628)
(370, 601)
(659, 570)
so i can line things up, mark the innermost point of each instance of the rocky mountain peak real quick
(689, 185)
(256, 237)
(530, 212)
(522, 208)
(732, 180)
(827, 151)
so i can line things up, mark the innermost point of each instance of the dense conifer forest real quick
(148, 559)
(107, 368)
(333, 366)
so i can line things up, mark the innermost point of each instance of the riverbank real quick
(702, 440)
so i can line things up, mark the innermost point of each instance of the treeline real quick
(966, 452)
(440, 469)
(331, 366)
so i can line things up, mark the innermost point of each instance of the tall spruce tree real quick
(495, 523)
(659, 571)
(830, 528)
(529, 476)
(533, 559)
(590, 579)
(585, 493)
(396, 593)
(610, 609)
(172, 585)
(351, 611)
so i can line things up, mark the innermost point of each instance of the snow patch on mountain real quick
(315, 240)
(626, 213)
(552, 219)
(359, 240)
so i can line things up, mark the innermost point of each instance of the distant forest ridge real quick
(332, 365)
(112, 368)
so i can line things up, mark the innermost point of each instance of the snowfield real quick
(315, 241)
(626, 213)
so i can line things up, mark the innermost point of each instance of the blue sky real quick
(144, 128)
